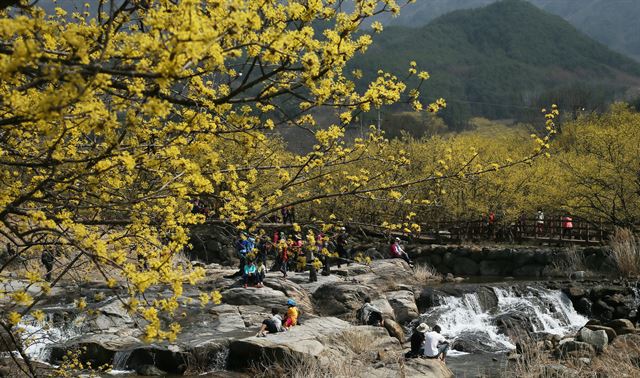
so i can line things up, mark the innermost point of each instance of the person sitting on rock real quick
(261, 272)
(398, 253)
(292, 314)
(417, 341)
(435, 345)
(370, 314)
(250, 274)
(272, 324)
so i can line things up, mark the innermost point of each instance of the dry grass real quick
(617, 361)
(358, 342)
(304, 366)
(625, 250)
(354, 353)
(425, 273)
(573, 261)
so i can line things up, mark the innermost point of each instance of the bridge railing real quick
(523, 229)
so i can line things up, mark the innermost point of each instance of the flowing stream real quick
(476, 325)
(474, 320)
(465, 320)
(38, 336)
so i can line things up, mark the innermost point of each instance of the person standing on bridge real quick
(539, 223)
(567, 226)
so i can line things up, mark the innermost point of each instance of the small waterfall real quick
(463, 319)
(636, 295)
(219, 360)
(550, 311)
(37, 336)
(463, 316)
(120, 359)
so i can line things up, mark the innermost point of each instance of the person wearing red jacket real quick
(398, 253)
(567, 226)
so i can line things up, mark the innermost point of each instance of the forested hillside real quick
(611, 22)
(504, 61)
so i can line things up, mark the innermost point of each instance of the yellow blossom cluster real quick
(114, 120)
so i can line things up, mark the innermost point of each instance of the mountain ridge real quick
(611, 22)
(509, 52)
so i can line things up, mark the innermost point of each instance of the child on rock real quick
(292, 314)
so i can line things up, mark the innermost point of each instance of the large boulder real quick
(597, 339)
(491, 268)
(515, 324)
(584, 306)
(394, 329)
(341, 299)
(388, 275)
(424, 368)
(611, 333)
(98, 349)
(475, 342)
(265, 297)
(404, 305)
(329, 340)
(211, 244)
(529, 270)
(291, 290)
(226, 318)
(601, 309)
(385, 307)
(621, 326)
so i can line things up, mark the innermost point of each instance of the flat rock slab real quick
(276, 347)
(328, 340)
(265, 297)
(342, 298)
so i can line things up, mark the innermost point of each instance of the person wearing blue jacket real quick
(250, 274)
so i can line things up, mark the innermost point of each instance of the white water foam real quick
(460, 315)
(120, 359)
(38, 336)
(636, 296)
(550, 311)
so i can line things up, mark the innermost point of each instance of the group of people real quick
(425, 342)
(274, 323)
(492, 226)
(428, 343)
(289, 252)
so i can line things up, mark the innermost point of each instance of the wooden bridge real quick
(550, 231)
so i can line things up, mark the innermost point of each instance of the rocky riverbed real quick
(484, 321)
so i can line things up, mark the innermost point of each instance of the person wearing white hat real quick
(417, 341)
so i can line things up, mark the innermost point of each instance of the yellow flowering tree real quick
(114, 118)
